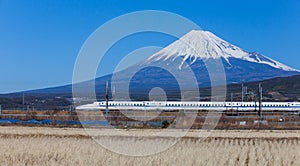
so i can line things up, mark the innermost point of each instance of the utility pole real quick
(70, 108)
(114, 93)
(106, 97)
(260, 100)
(23, 102)
(231, 96)
(242, 91)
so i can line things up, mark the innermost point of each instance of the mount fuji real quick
(190, 56)
(199, 52)
(204, 45)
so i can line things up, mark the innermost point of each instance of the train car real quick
(191, 105)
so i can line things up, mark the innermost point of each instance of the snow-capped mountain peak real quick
(204, 45)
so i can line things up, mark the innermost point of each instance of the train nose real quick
(86, 107)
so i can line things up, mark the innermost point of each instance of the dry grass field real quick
(69, 146)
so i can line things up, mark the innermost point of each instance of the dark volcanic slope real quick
(277, 89)
(281, 88)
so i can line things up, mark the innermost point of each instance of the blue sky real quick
(40, 39)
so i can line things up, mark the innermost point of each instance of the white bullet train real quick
(191, 105)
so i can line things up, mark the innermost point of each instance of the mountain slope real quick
(195, 50)
(276, 89)
(200, 51)
(204, 45)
